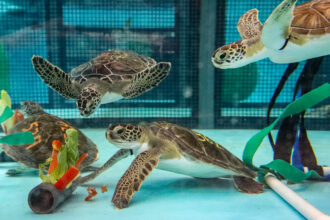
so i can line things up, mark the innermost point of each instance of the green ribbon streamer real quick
(18, 138)
(7, 113)
(285, 169)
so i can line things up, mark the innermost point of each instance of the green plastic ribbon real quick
(18, 138)
(14, 139)
(283, 168)
(287, 171)
(6, 114)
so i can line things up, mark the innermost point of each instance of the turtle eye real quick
(120, 131)
(222, 56)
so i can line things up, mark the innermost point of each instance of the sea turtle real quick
(111, 76)
(290, 34)
(45, 128)
(177, 149)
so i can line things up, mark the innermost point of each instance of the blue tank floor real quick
(166, 195)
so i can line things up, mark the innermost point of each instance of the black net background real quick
(242, 95)
(69, 33)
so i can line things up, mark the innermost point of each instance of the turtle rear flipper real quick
(275, 32)
(54, 77)
(147, 79)
(133, 178)
(248, 185)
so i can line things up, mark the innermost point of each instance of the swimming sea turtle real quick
(45, 128)
(111, 76)
(290, 34)
(177, 149)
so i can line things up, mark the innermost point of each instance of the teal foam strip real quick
(7, 113)
(18, 139)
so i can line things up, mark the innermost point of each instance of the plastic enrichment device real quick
(309, 99)
(306, 209)
(46, 197)
(283, 168)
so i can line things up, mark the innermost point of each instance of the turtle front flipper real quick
(249, 25)
(248, 185)
(147, 79)
(133, 178)
(54, 77)
(275, 33)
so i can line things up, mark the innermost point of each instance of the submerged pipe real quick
(301, 205)
(45, 197)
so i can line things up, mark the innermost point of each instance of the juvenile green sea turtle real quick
(177, 149)
(45, 128)
(290, 34)
(111, 76)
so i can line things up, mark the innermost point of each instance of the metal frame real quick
(206, 70)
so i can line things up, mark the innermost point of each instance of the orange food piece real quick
(18, 116)
(104, 189)
(5, 128)
(53, 163)
(56, 147)
(91, 193)
(78, 162)
(67, 178)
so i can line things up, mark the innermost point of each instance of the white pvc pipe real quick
(301, 205)
(326, 171)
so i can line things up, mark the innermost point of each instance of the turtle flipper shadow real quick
(275, 32)
(148, 79)
(133, 178)
(54, 77)
(248, 185)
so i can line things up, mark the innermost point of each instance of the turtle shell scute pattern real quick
(200, 147)
(112, 66)
(312, 18)
(46, 128)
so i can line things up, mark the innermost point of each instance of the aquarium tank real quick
(149, 109)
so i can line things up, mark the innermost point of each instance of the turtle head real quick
(88, 100)
(127, 136)
(229, 56)
(238, 54)
(31, 108)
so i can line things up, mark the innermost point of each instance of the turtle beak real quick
(112, 137)
(109, 135)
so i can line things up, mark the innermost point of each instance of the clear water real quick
(167, 195)
(229, 106)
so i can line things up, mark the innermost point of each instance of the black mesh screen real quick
(242, 95)
(69, 33)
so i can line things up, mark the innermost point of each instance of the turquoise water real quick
(166, 195)
(69, 33)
